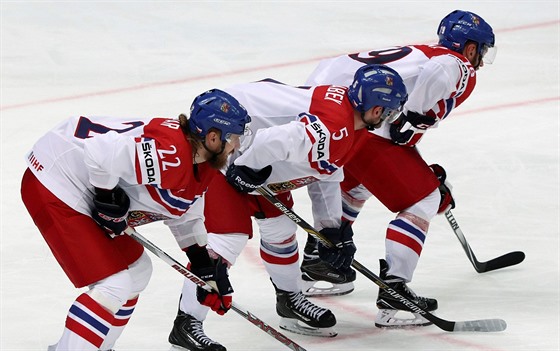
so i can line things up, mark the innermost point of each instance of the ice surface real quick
(122, 58)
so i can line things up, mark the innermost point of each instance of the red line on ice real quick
(209, 76)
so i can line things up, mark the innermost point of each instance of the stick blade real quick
(481, 325)
(509, 259)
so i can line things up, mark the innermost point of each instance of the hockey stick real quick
(201, 283)
(506, 260)
(480, 325)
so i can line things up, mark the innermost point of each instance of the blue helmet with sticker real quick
(378, 85)
(459, 26)
(219, 110)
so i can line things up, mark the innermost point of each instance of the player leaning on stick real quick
(91, 177)
(385, 162)
(300, 135)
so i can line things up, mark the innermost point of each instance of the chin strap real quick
(369, 126)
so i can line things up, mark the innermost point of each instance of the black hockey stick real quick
(506, 260)
(192, 277)
(480, 325)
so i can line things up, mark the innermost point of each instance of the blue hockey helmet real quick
(459, 26)
(217, 109)
(378, 85)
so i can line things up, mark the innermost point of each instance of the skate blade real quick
(388, 319)
(295, 326)
(322, 288)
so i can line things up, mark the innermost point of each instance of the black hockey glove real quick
(111, 210)
(341, 255)
(217, 276)
(245, 179)
(447, 202)
(409, 127)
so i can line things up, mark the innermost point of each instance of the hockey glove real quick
(410, 127)
(218, 300)
(341, 255)
(245, 179)
(447, 201)
(111, 210)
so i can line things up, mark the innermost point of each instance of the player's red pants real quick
(396, 175)
(83, 250)
(229, 211)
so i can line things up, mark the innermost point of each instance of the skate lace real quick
(409, 291)
(418, 299)
(304, 306)
(399, 284)
(196, 330)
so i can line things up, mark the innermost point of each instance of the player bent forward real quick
(91, 177)
(387, 164)
(301, 136)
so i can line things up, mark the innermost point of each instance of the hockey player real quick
(91, 177)
(386, 163)
(300, 135)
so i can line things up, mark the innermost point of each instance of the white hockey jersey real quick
(150, 159)
(304, 133)
(436, 78)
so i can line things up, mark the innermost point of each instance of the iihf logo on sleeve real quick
(33, 162)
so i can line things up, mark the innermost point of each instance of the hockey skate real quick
(300, 316)
(389, 306)
(187, 334)
(320, 278)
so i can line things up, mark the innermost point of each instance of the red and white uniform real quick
(437, 81)
(151, 160)
(304, 134)
(312, 130)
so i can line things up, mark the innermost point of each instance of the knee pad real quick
(278, 241)
(276, 229)
(358, 193)
(426, 208)
(228, 246)
(113, 291)
(141, 272)
(353, 201)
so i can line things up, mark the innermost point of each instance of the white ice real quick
(124, 58)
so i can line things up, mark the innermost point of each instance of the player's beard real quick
(218, 160)
(476, 65)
